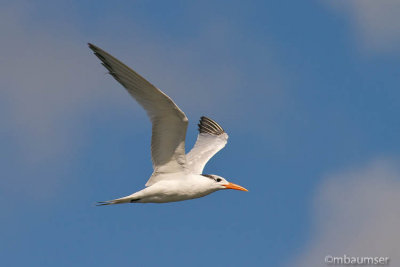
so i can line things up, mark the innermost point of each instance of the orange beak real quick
(235, 186)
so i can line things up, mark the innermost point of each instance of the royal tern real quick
(177, 176)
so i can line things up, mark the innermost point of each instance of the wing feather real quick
(211, 139)
(169, 123)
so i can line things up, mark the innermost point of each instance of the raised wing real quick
(169, 122)
(211, 139)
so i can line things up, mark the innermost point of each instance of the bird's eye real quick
(218, 180)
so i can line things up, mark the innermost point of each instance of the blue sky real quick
(308, 92)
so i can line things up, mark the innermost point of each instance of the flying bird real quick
(177, 176)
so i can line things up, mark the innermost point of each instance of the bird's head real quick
(219, 183)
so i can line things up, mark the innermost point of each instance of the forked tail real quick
(122, 200)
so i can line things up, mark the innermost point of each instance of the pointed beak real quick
(235, 186)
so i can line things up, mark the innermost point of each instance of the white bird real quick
(177, 176)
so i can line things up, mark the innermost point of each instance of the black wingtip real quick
(93, 47)
(207, 125)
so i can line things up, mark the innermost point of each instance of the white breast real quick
(181, 188)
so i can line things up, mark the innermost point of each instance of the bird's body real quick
(177, 176)
(177, 188)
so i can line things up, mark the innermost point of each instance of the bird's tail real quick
(128, 199)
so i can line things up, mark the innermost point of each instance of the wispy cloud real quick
(46, 81)
(376, 24)
(356, 213)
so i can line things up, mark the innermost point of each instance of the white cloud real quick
(46, 80)
(376, 23)
(356, 213)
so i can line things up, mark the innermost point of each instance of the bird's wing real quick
(211, 139)
(169, 122)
